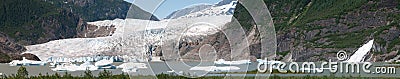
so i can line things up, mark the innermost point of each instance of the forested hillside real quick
(314, 30)
(28, 22)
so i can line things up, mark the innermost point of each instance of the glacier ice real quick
(130, 40)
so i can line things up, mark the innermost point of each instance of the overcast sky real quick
(168, 6)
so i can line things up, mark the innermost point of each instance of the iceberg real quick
(223, 62)
(132, 67)
(103, 63)
(156, 59)
(74, 67)
(130, 70)
(87, 66)
(26, 62)
(215, 68)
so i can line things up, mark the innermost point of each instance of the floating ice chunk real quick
(215, 68)
(223, 62)
(26, 62)
(102, 63)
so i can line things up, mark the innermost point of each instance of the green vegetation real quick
(346, 40)
(105, 74)
(284, 12)
(38, 21)
(30, 20)
(283, 53)
(274, 71)
(281, 13)
(164, 76)
(95, 10)
(22, 72)
(5, 56)
(322, 9)
(393, 43)
(243, 17)
(398, 6)
(14, 14)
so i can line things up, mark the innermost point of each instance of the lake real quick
(162, 67)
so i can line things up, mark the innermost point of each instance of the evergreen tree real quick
(56, 76)
(88, 74)
(105, 74)
(67, 76)
(22, 72)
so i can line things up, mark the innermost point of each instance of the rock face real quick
(30, 56)
(352, 29)
(92, 31)
(8, 49)
(317, 39)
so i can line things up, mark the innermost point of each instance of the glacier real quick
(361, 53)
(129, 41)
(133, 38)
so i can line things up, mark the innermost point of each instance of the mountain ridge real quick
(29, 22)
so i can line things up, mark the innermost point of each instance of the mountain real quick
(324, 27)
(314, 30)
(307, 30)
(94, 10)
(138, 13)
(29, 22)
(188, 10)
(40, 21)
(225, 7)
(6, 46)
(224, 2)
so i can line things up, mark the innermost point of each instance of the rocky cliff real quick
(314, 30)
(9, 50)
(356, 22)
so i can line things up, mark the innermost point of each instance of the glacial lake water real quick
(162, 67)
